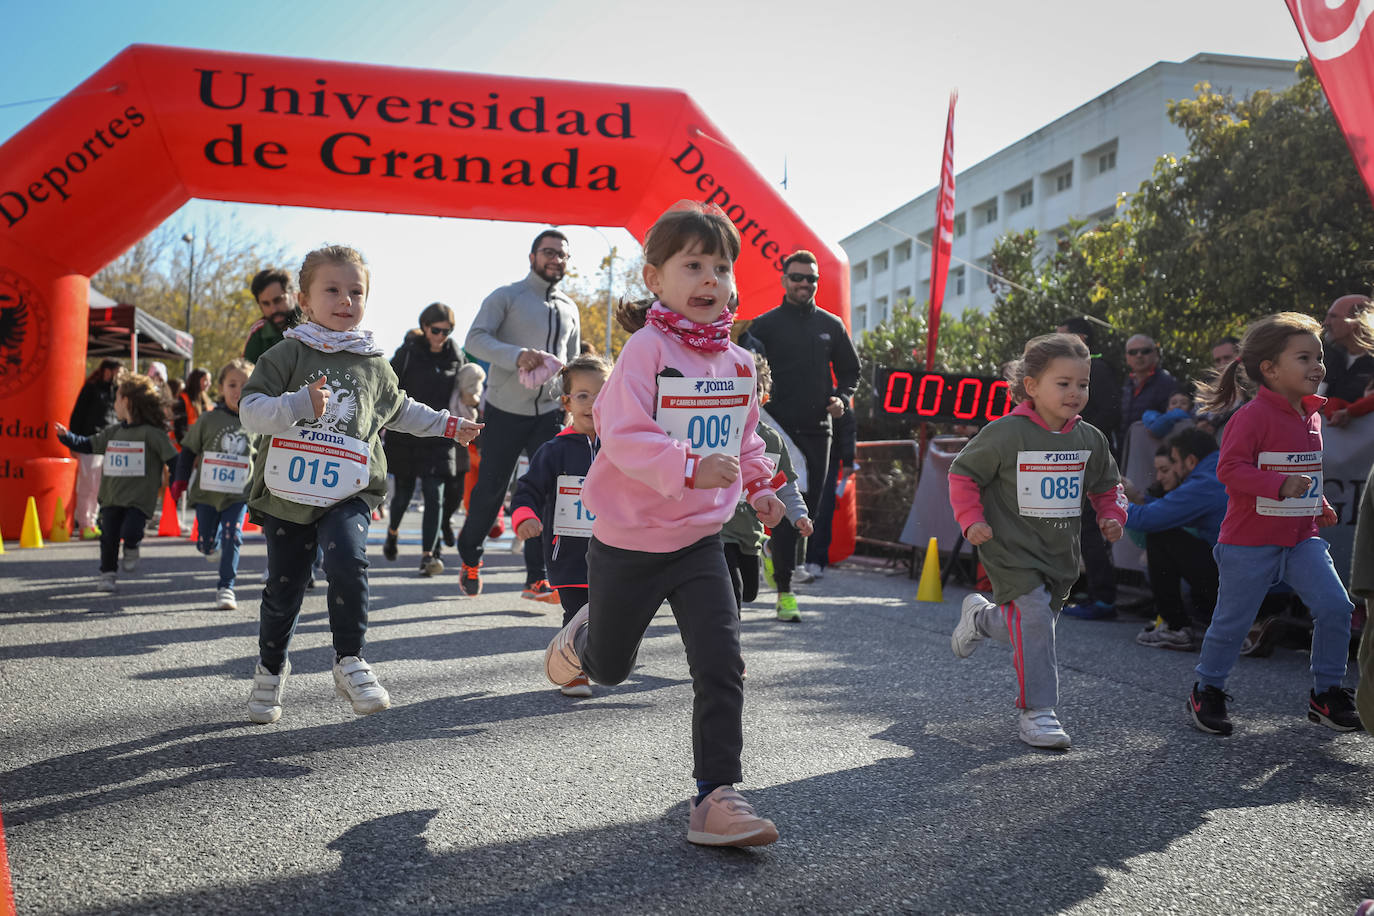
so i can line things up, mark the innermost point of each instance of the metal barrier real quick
(885, 488)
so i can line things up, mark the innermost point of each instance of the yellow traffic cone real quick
(929, 588)
(31, 536)
(2, 542)
(61, 532)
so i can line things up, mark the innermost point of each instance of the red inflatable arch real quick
(157, 126)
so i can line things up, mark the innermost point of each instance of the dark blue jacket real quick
(1153, 395)
(1199, 502)
(569, 452)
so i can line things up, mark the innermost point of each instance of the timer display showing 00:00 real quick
(942, 397)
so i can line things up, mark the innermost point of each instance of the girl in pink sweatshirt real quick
(1271, 464)
(677, 421)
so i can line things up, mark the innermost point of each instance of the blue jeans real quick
(342, 532)
(1245, 575)
(223, 525)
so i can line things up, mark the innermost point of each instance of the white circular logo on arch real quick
(1332, 28)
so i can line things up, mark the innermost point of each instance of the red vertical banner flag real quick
(1342, 54)
(944, 237)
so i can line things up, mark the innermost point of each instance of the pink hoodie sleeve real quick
(1110, 504)
(624, 418)
(1238, 466)
(966, 500)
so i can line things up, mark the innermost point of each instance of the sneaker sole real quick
(1055, 744)
(1198, 724)
(760, 837)
(264, 718)
(580, 693)
(545, 599)
(965, 624)
(1319, 719)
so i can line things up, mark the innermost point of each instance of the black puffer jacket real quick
(429, 378)
(94, 408)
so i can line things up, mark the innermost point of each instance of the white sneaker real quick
(802, 575)
(1161, 636)
(130, 559)
(353, 678)
(107, 582)
(517, 545)
(264, 702)
(225, 601)
(965, 638)
(1041, 728)
(431, 566)
(815, 570)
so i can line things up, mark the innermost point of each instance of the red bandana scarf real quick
(712, 338)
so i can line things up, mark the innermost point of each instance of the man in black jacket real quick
(815, 372)
(93, 412)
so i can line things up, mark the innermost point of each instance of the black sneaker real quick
(1208, 709)
(471, 580)
(449, 540)
(389, 547)
(1334, 707)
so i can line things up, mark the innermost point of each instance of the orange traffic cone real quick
(250, 528)
(170, 525)
(195, 530)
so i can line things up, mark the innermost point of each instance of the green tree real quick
(154, 276)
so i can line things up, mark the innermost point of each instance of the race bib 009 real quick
(570, 516)
(1050, 484)
(708, 414)
(221, 472)
(315, 468)
(1309, 463)
(124, 459)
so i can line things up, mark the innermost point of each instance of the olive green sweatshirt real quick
(217, 431)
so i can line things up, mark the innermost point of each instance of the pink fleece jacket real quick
(1266, 424)
(640, 485)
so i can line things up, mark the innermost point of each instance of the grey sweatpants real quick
(1026, 624)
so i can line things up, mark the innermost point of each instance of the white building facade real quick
(1075, 167)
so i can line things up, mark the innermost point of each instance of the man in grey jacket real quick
(515, 326)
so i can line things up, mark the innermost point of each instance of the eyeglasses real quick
(442, 332)
(813, 279)
(582, 398)
(1140, 351)
(554, 254)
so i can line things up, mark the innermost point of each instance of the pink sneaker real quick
(561, 663)
(724, 818)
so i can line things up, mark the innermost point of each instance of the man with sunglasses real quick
(1147, 386)
(515, 326)
(804, 345)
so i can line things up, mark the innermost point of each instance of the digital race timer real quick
(940, 398)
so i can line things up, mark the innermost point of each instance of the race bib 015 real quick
(1050, 484)
(1308, 504)
(708, 414)
(315, 468)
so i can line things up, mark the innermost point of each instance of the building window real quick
(902, 253)
(1063, 181)
(1102, 159)
(1020, 198)
(956, 277)
(1107, 161)
(861, 318)
(859, 272)
(880, 262)
(879, 310)
(904, 295)
(989, 212)
(960, 226)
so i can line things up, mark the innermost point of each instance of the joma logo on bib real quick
(1061, 456)
(706, 386)
(312, 435)
(1305, 456)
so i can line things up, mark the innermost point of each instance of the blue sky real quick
(852, 95)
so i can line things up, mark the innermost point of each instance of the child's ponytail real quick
(1228, 387)
(633, 315)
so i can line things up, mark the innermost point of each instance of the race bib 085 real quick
(1050, 484)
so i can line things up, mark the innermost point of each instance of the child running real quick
(676, 420)
(743, 535)
(136, 453)
(221, 453)
(1271, 464)
(1017, 490)
(548, 499)
(323, 396)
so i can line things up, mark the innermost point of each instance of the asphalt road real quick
(131, 781)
